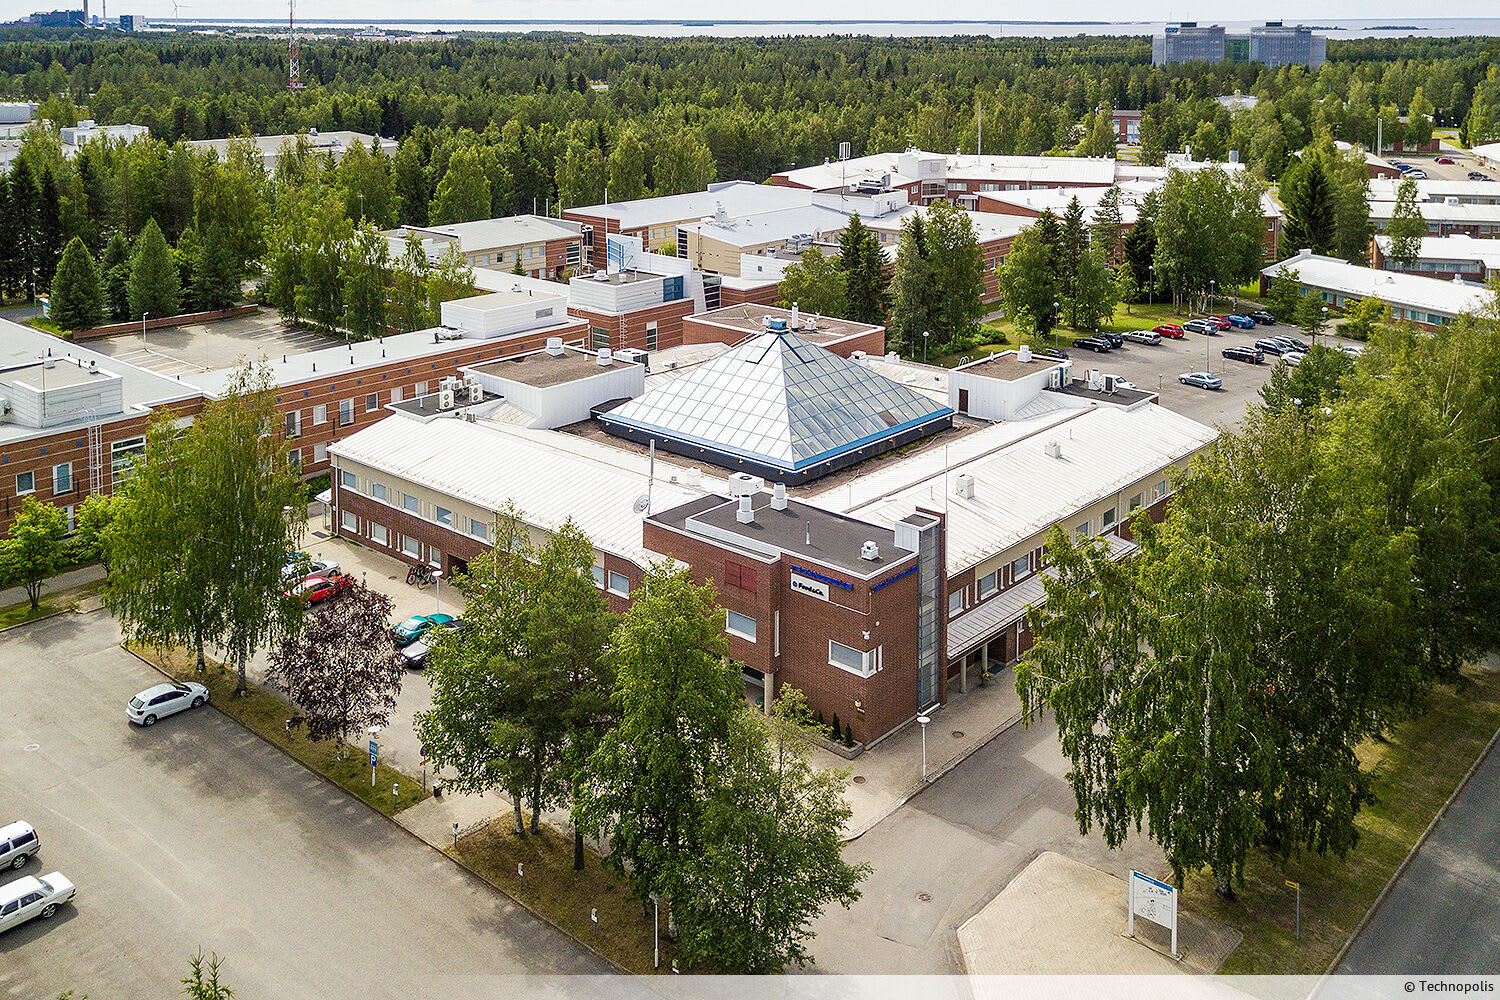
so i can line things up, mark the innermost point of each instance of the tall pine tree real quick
(154, 286)
(75, 289)
(862, 260)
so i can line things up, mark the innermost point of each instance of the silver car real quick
(18, 844)
(163, 700)
(1142, 337)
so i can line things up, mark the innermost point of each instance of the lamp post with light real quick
(923, 720)
(925, 334)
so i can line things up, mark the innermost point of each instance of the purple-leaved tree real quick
(340, 669)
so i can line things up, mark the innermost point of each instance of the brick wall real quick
(630, 329)
(765, 295)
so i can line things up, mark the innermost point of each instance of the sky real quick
(1379, 12)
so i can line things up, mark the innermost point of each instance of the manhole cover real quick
(859, 779)
(958, 734)
(925, 897)
(35, 746)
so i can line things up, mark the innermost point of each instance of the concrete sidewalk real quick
(887, 775)
(63, 581)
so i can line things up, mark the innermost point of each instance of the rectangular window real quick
(853, 660)
(598, 338)
(411, 503)
(25, 483)
(738, 575)
(293, 423)
(1109, 517)
(62, 478)
(442, 515)
(123, 455)
(989, 584)
(346, 412)
(396, 394)
(348, 480)
(320, 453)
(348, 521)
(372, 402)
(740, 625)
(480, 530)
(378, 491)
(955, 602)
(1137, 501)
(320, 414)
(1158, 491)
(420, 389)
(379, 534)
(411, 546)
(651, 338)
(294, 459)
(1021, 567)
(619, 584)
(1081, 532)
(599, 576)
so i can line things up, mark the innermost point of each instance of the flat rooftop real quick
(750, 319)
(1120, 397)
(204, 347)
(543, 370)
(836, 539)
(628, 276)
(39, 377)
(488, 234)
(1007, 367)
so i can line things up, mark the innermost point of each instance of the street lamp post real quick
(925, 335)
(923, 720)
(1152, 290)
(143, 324)
(1323, 326)
(656, 932)
(437, 576)
(1213, 298)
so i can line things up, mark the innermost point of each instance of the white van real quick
(18, 842)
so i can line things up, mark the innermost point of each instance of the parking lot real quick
(195, 834)
(1153, 368)
(1458, 170)
(201, 347)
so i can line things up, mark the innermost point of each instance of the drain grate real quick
(859, 779)
(924, 897)
(958, 734)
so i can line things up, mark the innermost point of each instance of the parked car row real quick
(31, 895)
(416, 636)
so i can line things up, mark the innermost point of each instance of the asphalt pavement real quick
(195, 833)
(1443, 913)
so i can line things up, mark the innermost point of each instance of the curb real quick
(935, 774)
(1406, 861)
(525, 907)
(42, 618)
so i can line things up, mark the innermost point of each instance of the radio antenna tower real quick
(293, 58)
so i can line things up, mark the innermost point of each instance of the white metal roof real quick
(1407, 290)
(490, 234)
(1019, 490)
(1460, 246)
(550, 477)
(1462, 213)
(1386, 189)
(736, 197)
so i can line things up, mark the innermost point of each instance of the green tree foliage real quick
(463, 195)
(1361, 318)
(683, 164)
(914, 290)
(581, 175)
(676, 696)
(91, 520)
(1214, 689)
(772, 849)
(1101, 134)
(1210, 228)
(114, 278)
(33, 548)
(154, 287)
(201, 531)
(365, 278)
(408, 305)
(364, 175)
(215, 278)
(1317, 382)
(1028, 280)
(75, 300)
(1308, 197)
(1407, 227)
(627, 167)
(866, 277)
(452, 278)
(957, 267)
(202, 981)
(816, 284)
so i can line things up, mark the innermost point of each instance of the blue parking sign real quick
(374, 753)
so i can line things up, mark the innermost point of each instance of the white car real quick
(1353, 350)
(1293, 357)
(33, 897)
(163, 700)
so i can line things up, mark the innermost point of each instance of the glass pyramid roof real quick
(779, 400)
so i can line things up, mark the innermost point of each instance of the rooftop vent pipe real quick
(605, 358)
(869, 551)
(778, 497)
(746, 513)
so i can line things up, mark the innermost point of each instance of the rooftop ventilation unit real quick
(869, 551)
(796, 320)
(445, 399)
(1054, 449)
(605, 358)
(1023, 354)
(746, 513)
(743, 484)
(963, 486)
(778, 497)
(555, 346)
(776, 325)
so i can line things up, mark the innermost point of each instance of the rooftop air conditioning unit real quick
(1054, 378)
(1109, 383)
(869, 550)
(743, 484)
(964, 486)
(445, 399)
(476, 393)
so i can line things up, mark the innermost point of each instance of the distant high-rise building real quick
(1274, 44)
(59, 19)
(133, 22)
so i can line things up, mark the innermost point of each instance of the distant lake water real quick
(1335, 29)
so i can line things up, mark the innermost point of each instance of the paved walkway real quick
(63, 581)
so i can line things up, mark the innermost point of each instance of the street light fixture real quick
(143, 324)
(437, 575)
(925, 335)
(1152, 290)
(656, 932)
(922, 721)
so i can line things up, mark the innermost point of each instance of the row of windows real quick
(346, 411)
(381, 534)
(436, 513)
(608, 580)
(121, 455)
(62, 480)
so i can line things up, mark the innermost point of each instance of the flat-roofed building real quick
(544, 247)
(1429, 303)
(269, 148)
(1444, 257)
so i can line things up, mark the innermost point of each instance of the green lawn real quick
(1414, 774)
(565, 897)
(266, 714)
(65, 600)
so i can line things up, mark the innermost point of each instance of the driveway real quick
(946, 853)
(196, 834)
(1443, 914)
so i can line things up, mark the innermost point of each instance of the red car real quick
(1222, 322)
(316, 589)
(1443, 159)
(1170, 330)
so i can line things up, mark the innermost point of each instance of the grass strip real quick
(1414, 774)
(266, 714)
(51, 604)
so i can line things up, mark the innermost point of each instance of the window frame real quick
(623, 590)
(346, 412)
(992, 587)
(29, 474)
(740, 632)
(69, 474)
(372, 402)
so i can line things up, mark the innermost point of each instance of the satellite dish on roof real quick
(642, 502)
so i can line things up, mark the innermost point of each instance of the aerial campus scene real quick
(640, 499)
